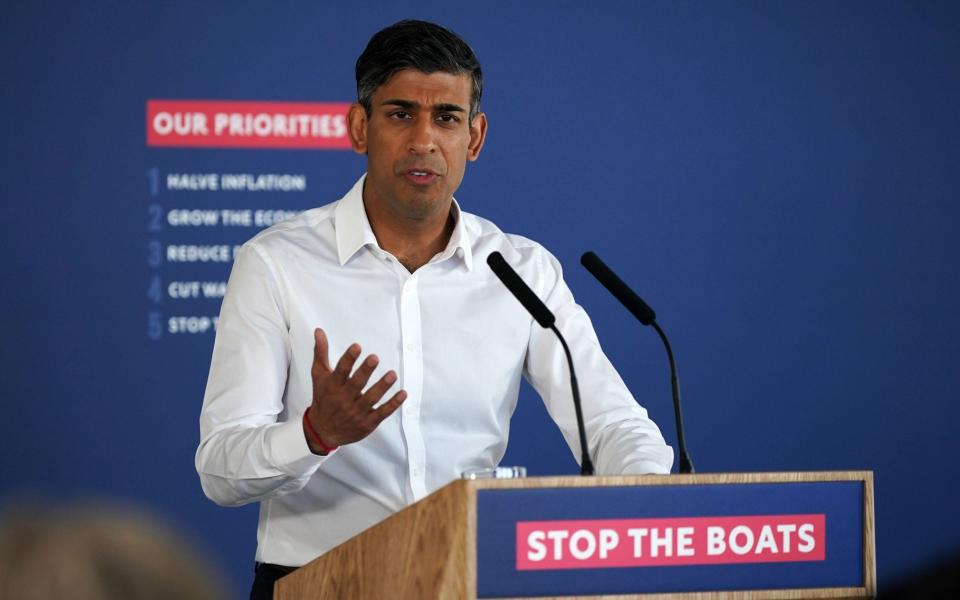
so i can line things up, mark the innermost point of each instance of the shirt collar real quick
(353, 229)
(460, 238)
(352, 226)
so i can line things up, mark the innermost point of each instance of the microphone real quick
(547, 320)
(642, 311)
(521, 291)
(621, 291)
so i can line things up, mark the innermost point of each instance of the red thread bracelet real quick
(325, 449)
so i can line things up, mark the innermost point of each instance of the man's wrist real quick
(314, 441)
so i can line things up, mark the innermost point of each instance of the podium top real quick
(673, 479)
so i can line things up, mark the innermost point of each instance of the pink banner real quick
(241, 124)
(603, 543)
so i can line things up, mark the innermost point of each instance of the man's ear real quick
(478, 133)
(357, 128)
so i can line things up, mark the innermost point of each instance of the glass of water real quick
(495, 473)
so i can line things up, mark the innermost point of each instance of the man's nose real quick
(422, 137)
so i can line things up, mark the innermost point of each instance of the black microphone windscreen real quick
(520, 290)
(618, 288)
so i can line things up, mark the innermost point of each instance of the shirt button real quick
(412, 347)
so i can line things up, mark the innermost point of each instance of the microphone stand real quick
(586, 465)
(642, 311)
(685, 464)
(546, 319)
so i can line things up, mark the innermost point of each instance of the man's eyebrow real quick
(400, 103)
(447, 107)
(442, 107)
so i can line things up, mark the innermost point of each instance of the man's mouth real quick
(420, 177)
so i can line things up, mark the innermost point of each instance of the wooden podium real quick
(480, 538)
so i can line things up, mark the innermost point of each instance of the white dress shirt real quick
(458, 341)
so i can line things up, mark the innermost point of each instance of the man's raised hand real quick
(343, 412)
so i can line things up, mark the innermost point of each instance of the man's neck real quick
(413, 242)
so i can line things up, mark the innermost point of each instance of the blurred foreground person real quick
(98, 554)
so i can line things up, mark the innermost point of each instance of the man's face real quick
(417, 140)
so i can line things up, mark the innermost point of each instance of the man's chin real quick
(422, 206)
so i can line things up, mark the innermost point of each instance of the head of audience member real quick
(98, 553)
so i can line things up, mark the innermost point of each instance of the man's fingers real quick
(387, 408)
(321, 349)
(377, 390)
(361, 376)
(345, 364)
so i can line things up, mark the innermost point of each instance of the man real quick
(299, 416)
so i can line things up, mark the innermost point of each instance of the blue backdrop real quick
(778, 179)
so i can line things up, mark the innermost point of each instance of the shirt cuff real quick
(289, 451)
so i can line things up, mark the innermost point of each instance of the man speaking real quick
(366, 355)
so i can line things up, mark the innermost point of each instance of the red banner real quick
(603, 543)
(241, 124)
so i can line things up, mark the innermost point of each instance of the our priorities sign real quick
(247, 124)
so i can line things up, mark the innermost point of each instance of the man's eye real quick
(400, 114)
(447, 118)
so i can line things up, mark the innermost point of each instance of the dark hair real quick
(419, 45)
